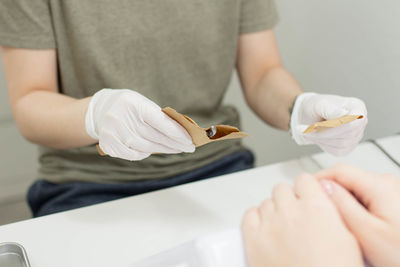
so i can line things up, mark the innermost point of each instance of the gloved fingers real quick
(155, 136)
(339, 142)
(147, 139)
(300, 128)
(146, 111)
(340, 147)
(157, 119)
(348, 130)
(113, 146)
(125, 152)
(310, 108)
(356, 106)
(339, 151)
(140, 144)
(328, 110)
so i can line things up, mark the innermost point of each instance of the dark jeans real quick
(46, 198)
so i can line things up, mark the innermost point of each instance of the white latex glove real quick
(132, 127)
(310, 108)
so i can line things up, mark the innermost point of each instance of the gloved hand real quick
(310, 108)
(132, 127)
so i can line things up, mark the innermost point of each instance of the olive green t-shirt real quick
(178, 53)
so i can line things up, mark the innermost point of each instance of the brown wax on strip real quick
(323, 125)
(198, 134)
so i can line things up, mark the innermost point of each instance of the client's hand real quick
(299, 226)
(370, 206)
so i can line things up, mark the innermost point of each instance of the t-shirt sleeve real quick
(26, 24)
(257, 15)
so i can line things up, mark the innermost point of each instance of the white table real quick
(391, 145)
(367, 156)
(119, 233)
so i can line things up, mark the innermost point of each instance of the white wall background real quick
(346, 47)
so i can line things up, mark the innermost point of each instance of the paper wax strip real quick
(199, 134)
(323, 125)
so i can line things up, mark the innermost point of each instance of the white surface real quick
(391, 145)
(119, 233)
(366, 156)
(221, 249)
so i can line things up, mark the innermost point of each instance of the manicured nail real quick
(327, 186)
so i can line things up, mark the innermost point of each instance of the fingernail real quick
(327, 186)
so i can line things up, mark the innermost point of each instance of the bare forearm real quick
(273, 97)
(43, 115)
(52, 119)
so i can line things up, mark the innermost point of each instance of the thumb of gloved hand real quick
(310, 108)
(130, 126)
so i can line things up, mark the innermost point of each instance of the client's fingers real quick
(283, 195)
(363, 184)
(266, 209)
(306, 186)
(356, 217)
(251, 219)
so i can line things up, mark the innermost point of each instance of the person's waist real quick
(85, 164)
